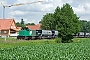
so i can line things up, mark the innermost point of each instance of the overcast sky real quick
(33, 13)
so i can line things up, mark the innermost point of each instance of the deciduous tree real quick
(64, 20)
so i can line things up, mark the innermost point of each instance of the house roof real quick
(34, 27)
(5, 24)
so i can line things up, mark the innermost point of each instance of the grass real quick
(13, 42)
(79, 40)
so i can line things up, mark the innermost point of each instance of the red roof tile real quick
(34, 27)
(5, 24)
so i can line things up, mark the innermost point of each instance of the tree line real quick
(23, 24)
(85, 26)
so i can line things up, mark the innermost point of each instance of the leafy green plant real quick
(63, 51)
(70, 51)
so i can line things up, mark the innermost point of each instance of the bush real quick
(67, 39)
(58, 40)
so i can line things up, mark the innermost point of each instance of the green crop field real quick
(45, 50)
